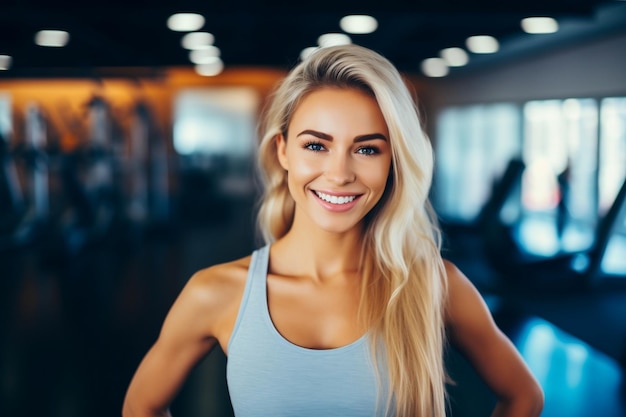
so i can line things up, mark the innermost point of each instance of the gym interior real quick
(115, 188)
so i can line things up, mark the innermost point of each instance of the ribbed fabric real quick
(268, 376)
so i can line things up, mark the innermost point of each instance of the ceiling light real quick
(333, 39)
(482, 44)
(454, 57)
(203, 56)
(210, 69)
(5, 62)
(540, 25)
(358, 24)
(306, 52)
(185, 22)
(197, 40)
(52, 38)
(435, 67)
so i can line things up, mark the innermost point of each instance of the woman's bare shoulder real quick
(208, 304)
(217, 282)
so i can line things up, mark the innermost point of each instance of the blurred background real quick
(127, 162)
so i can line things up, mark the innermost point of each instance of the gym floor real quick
(72, 333)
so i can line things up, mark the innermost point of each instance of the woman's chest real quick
(312, 315)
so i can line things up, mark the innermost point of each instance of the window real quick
(612, 168)
(218, 122)
(474, 146)
(559, 185)
(574, 157)
(214, 135)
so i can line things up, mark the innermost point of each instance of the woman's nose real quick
(339, 169)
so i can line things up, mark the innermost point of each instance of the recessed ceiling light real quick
(185, 22)
(333, 39)
(358, 24)
(454, 57)
(210, 69)
(197, 40)
(5, 62)
(306, 52)
(435, 67)
(539, 25)
(202, 56)
(52, 38)
(482, 44)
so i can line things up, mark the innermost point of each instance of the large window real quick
(474, 146)
(559, 183)
(574, 156)
(218, 122)
(612, 170)
(215, 136)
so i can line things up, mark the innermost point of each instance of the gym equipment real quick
(87, 188)
(489, 218)
(11, 197)
(28, 208)
(576, 271)
(148, 205)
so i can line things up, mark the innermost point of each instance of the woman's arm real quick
(187, 335)
(472, 330)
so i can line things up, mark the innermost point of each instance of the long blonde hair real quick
(404, 285)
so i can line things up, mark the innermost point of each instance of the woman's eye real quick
(314, 146)
(367, 150)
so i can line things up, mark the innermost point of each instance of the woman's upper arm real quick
(185, 338)
(473, 331)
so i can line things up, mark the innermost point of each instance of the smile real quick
(333, 199)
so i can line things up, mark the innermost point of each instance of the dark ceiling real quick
(133, 33)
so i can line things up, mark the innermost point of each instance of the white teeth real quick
(333, 199)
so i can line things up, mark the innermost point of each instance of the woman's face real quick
(337, 156)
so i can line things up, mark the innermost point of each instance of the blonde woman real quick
(347, 308)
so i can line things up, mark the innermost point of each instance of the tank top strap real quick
(257, 274)
(254, 294)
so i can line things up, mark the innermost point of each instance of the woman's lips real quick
(336, 202)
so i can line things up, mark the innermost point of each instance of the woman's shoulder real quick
(452, 272)
(458, 284)
(210, 299)
(465, 306)
(217, 279)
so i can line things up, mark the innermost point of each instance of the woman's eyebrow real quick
(370, 136)
(360, 138)
(315, 133)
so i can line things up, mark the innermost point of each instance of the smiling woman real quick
(337, 158)
(347, 307)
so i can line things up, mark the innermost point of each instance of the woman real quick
(347, 308)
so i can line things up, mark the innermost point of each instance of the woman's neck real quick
(317, 253)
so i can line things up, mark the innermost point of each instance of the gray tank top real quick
(268, 376)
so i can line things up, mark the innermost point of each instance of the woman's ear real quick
(281, 151)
